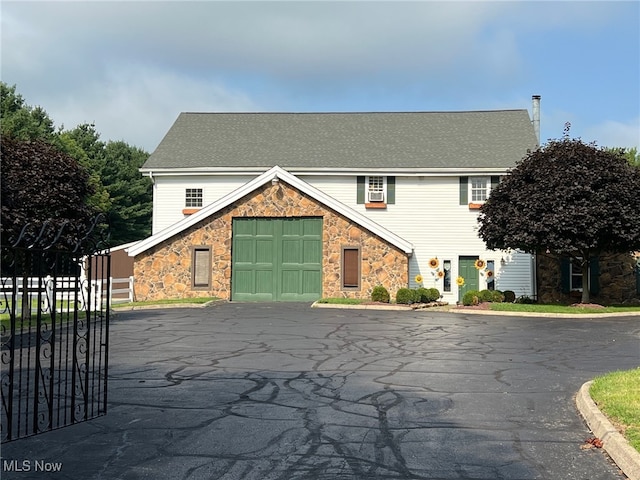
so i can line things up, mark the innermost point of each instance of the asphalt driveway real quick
(284, 391)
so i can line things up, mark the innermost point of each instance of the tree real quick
(118, 189)
(631, 154)
(42, 184)
(130, 192)
(567, 199)
(20, 120)
(116, 165)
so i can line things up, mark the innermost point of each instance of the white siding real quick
(427, 213)
(169, 195)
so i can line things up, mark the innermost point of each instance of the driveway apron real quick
(283, 391)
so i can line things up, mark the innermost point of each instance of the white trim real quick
(404, 172)
(268, 176)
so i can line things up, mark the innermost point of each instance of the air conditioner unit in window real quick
(376, 196)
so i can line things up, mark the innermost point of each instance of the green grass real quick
(341, 301)
(617, 395)
(542, 308)
(171, 301)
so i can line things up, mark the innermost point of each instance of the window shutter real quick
(594, 276)
(350, 267)
(565, 279)
(391, 190)
(201, 266)
(495, 180)
(360, 190)
(464, 190)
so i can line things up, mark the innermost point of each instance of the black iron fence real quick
(54, 328)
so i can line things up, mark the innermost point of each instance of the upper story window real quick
(479, 189)
(376, 191)
(193, 198)
(474, 191)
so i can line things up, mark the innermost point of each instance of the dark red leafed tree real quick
(41, 184)
(568, 199)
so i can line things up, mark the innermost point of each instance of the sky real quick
(130, 67)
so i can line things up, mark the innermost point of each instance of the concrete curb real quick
(454, 309)
(116, 308)
(361, 307)
(625, 456)
(543, 314)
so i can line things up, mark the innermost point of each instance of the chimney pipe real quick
(536, 116)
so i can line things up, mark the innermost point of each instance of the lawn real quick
(617, 395)
(543, 308)
(172, 301)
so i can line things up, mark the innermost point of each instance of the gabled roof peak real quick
(266, 177)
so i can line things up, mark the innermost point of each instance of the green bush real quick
(380, 294)
(421, 294)
(471, 298)
(485, 296)
(405, 296)
(498, 296)
(525, 299)
(509, 296)
(433, 295)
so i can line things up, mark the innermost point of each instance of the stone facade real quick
(617, 281)
(164, 271)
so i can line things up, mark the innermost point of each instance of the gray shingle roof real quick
(477, 139)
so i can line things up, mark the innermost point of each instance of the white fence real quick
(121, 290)
(60, 292)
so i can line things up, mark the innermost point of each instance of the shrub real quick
(485, 296)
(498, 296)
(470, 298)
(525, 299)
(509, 296)
(380, 294)
(405, 296)
(433, 294)
(421, 295)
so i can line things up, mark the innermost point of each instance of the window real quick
(474, 191)
(575, 275)
(571, 275)
(446, 266)
(350, 268)
(479, 189)
(491, 279)
(193, 198)
(201, 267)
(375, 189)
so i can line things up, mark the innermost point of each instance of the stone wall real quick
(164, 271)
(617, 281)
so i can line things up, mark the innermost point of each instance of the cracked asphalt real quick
(283, 391)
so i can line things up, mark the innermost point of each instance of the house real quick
(299, 206)
(614, 279)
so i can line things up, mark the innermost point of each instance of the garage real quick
(276, 259)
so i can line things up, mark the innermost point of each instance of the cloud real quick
(611, 133)
(141, 103)
(132, 66)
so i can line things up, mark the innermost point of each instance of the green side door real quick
(276, 259)
(468, 271)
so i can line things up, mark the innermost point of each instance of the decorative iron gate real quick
(54, 329)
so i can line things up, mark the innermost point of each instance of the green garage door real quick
(276, 259)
